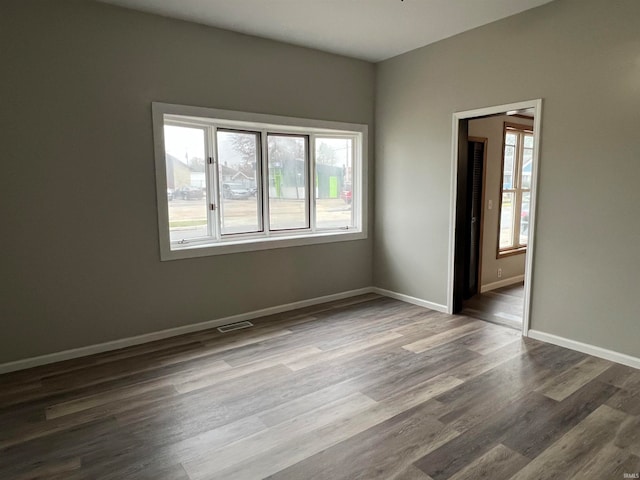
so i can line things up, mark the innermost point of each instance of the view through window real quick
(230, 181)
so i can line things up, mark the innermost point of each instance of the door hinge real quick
(213, 206)
(210, 160)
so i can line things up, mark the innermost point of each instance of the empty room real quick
(320, 239)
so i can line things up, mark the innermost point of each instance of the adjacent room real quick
(320, 239)
(497, 196)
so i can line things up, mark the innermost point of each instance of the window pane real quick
(524, 218)
(527, 161)
(506, 220)
(238, 164)
(334, 182)
(287, 181)
(186, 182)
(510, 139)
(528, 141)
(509, 157)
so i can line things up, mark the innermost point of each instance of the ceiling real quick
(372, 30)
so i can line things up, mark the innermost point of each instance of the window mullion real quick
(208, 145)
(259, 175)
(212, 191)
(264, 157)
(517, 213)
(356, 183)
(312, 183)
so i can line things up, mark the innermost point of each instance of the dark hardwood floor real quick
(366, 388)
(504, 306)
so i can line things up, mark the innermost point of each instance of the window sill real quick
(174, 252)
(512, 252)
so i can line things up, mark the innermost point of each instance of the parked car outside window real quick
(235, 191)
(188, 193)
(346, 193)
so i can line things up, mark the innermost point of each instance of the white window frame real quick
(263, 123)
(516, 189)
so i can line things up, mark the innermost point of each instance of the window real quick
(233, 181)
(516, 189)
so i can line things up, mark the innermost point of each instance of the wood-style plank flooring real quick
(504, 306)
(365, 388)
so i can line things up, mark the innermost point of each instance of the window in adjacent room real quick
(234, 181)
(516, 189)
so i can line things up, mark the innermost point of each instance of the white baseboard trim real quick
(409, 299)
(599, 352)
(505, 282)
(172, 332)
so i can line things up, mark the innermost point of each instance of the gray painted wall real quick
(79, 245)
(583, 58)
(492, 128)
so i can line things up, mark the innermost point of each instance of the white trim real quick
(528, 269)
(172, 332)
(409, 299)
(505, 282)
(599, 352)
(265, 243)
(537, 128)
(239, 119)
(455, 129)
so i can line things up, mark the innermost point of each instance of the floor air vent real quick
(234, 326)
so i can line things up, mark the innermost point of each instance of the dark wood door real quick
(475, 171)
(468, 231)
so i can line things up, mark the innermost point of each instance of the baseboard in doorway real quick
(505, 282)
(409, 299)
(599, 352)
(172, 332)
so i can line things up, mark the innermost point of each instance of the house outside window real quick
(515, 193)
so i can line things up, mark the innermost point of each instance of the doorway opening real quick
(494, 177)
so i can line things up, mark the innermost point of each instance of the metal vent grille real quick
(234, 326)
